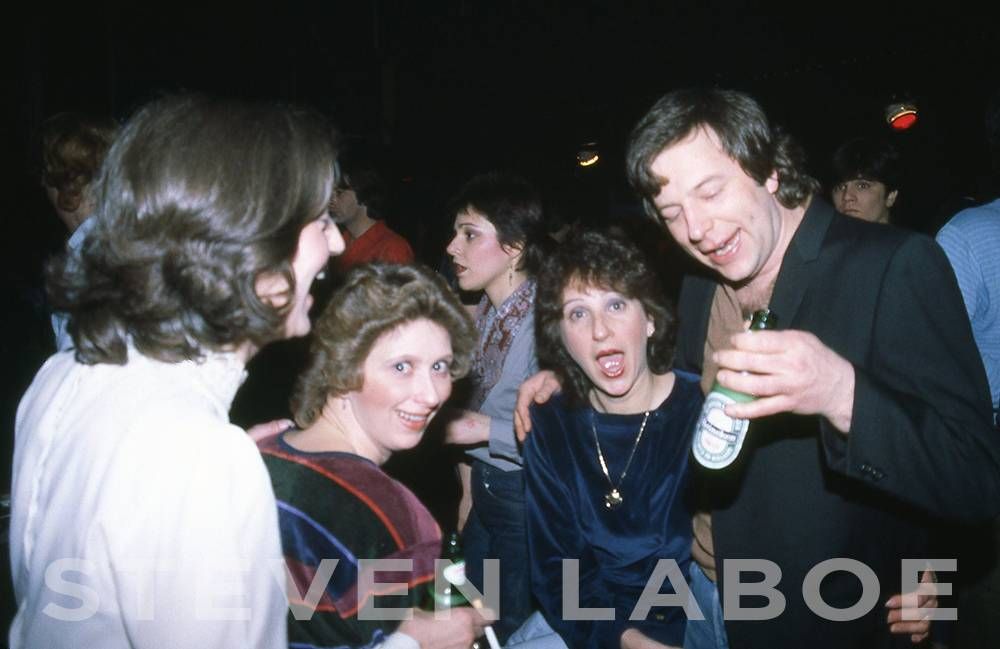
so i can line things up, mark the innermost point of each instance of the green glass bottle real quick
(718, 437)
(446, 593)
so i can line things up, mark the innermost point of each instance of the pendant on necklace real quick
(612, 499)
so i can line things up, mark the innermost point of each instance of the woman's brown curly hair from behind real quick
(196, 200)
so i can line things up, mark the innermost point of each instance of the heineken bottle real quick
(718, 437)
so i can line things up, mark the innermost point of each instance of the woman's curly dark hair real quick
(608, 261)
(373, 300)
(197, 199)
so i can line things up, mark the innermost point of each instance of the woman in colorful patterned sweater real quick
(383, 359)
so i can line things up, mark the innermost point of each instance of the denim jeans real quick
(535, 633)
(709, 633)
(496, 529)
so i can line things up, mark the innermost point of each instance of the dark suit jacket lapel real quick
(695, 303)
(804, 248)
(694, 306)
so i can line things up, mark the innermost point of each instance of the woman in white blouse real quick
(140, 516)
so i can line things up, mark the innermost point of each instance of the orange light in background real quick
(901, 116)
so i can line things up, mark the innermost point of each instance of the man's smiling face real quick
(720, 215)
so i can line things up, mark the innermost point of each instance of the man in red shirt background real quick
(358, 205)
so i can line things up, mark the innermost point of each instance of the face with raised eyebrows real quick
(868, 200)
(407, 378)
(606, 333)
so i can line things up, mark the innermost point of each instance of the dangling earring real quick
(510, 275)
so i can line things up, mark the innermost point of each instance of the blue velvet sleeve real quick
(617, 550)
(555, 533)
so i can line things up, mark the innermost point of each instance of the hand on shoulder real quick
(538, 388)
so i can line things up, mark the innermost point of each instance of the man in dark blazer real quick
(872, 420)
(873, 411)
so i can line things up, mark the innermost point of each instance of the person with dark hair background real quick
(359, 204)
(867, 173)
(140, 516)
(73, 148)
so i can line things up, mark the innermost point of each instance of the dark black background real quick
(444, 89)
(448, 88)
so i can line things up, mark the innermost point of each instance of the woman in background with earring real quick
(498, 245)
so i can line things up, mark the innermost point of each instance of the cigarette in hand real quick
(491, 636)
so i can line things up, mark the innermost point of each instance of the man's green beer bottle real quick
(718, 437)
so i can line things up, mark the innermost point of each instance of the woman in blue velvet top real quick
(606, 464)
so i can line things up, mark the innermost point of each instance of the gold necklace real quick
(614, 498)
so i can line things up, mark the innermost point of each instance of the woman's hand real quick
(269, 428)
(905, 610)
(636, 639)
(458, 631)
(536, 389)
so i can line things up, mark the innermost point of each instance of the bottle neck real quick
(763, 319)
(738, 397)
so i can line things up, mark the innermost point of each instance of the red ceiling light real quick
(901, 116)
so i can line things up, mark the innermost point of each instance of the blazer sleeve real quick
(921, 426)
(692, 311)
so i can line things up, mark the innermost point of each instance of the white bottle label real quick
(718, 437)
(454, 574)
